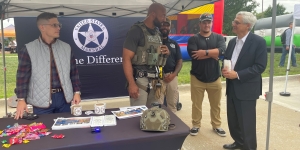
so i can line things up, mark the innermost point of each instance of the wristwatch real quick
(77, 92)
(206, 52)
(20, 99)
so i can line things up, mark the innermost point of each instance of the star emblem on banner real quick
(91, 35)
(90, 40)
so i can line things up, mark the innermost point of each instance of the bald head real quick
(156, 15)
(155, 8)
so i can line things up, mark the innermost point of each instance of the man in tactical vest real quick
(143, 57)
(47, 77)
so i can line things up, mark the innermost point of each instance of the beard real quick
(165, 32)
(156, 23)
(205, 31)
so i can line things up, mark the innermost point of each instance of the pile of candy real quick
(23, 133)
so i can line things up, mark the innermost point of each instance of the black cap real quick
(206, 16)
(167, 21)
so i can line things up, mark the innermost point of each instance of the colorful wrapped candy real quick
(26, 141)
(15, 140)
(31, 136)
(3, 141)
(37, 126)
(24, 133)
(6, 145)
(56, 136)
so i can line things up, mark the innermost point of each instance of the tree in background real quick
(281, 10)
(231, 8)
(9, 39)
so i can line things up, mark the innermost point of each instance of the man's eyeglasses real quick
(55, 25)
(236, 22)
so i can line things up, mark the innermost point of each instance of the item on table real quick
(8, 126)
(26, 141)
(105, 120)
(44, 130)
(6, 145)
(58, 136)
(4, 141)
(13, 130)
(23, 133)
(70, 123)
(129, 112)
(31, 136)
(100, 108)
(38, 126)
(32, 124)
(76, 110)
(95, 129)
(89, 112)
(15, 140)
(1, 131)
(29, 116)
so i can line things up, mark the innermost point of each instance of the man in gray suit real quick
(248, 55)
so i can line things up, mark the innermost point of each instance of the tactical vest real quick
(150, 53)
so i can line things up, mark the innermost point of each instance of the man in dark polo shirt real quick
(205, 48)
(171, 69)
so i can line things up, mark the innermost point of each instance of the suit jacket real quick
(251, 63)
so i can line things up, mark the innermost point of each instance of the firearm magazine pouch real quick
(152, 59)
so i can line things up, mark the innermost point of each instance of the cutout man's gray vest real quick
(39, 93)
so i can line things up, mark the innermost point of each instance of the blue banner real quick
(97, 44)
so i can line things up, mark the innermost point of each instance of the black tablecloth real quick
(126, 136)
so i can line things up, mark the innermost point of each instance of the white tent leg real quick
(4, 65)
(269, 95)
(289, 61)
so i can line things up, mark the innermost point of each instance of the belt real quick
(142, 74)
(56, 90)
(169, 72)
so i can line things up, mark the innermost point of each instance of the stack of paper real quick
(107, 120)
(129, 112)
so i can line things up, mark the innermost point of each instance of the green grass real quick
(184, 75)
(11, 61)
(183, 78)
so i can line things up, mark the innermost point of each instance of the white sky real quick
(288, 4)
(7, 22)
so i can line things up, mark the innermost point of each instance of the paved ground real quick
(285, 119)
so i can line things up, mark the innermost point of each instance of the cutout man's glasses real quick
(55, 25)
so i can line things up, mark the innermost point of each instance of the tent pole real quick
(3, 56)
(269, 95)
(289, 62)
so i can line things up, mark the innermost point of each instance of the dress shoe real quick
(233, 146)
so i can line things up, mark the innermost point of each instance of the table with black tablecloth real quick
(126, 135)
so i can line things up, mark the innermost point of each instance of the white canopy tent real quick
(99, 8)
(87, 8)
